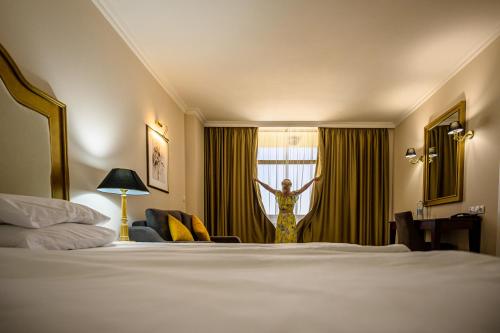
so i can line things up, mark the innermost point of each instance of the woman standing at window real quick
(286, 226)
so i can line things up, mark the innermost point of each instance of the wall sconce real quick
(432, 154)
(456, 129)
(164, 128)
(411, 156)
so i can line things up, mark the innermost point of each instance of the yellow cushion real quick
(199, 229)
(178, 231)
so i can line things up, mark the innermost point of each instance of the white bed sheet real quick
(315, 287)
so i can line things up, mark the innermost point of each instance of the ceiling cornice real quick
(125, 35)
(468, 59)
(299, 124)
(197, 113)
(171, 91)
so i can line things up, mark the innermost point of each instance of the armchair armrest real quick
(141, 223)
(144, 234)
(225, 239)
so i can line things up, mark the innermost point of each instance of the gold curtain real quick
(351, 201)
(232, 199)
(443, 169)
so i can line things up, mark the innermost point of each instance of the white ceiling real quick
(303, 60)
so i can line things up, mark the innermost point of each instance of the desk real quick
(439, 225)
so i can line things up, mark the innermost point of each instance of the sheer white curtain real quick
(287, 153)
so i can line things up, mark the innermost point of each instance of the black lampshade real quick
(410, 153)
(118, 179)
(455, 127)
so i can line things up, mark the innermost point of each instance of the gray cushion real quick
(157, 220)
(187, 220)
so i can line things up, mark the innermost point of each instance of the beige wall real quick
(68, 49)
(194, 166)
(479, 84)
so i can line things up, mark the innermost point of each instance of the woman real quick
(286, 226)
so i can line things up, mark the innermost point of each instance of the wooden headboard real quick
(32, 98)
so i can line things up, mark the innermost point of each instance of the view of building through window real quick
(287, 153)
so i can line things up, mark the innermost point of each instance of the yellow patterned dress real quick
(286, 231)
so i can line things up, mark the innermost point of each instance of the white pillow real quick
(35, 212)
(64, 236)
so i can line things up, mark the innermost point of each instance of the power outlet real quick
(479, 209)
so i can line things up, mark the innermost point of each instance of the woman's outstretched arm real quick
(303, 188)
(267, 187)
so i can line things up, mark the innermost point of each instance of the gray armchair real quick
(155, 228)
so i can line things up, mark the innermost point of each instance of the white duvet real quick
(316, 287)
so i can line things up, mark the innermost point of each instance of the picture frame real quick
(157, 160)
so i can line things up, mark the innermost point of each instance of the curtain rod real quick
(299, 124)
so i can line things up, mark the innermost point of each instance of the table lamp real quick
(124, 182)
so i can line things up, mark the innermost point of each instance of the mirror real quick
(443, 162)
(32, 137)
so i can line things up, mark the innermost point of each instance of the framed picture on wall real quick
(157, 159)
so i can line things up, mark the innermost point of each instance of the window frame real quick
(287, 163)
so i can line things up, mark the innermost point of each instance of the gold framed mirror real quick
(33, 145)
(443, 159)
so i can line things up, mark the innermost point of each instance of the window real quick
(287, 153)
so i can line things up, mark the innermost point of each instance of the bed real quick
(167, 287)
(315, 287)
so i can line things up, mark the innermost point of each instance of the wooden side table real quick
(438, 226)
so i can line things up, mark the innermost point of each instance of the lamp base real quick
(124, 225)
(124, 232)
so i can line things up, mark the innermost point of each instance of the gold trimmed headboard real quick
(35, 99)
